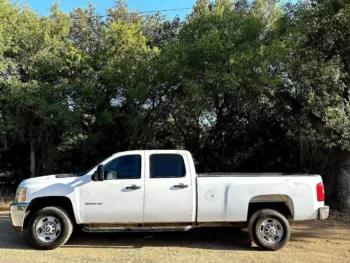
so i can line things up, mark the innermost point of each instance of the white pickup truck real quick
(159, 190)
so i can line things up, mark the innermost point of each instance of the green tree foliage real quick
(33, 85)
(317, 77)
(217, 77)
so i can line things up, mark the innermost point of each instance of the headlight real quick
(21, 195)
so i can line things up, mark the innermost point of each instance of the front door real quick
(119, 198)
(168, 194)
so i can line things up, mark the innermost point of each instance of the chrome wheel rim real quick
(271, 231)
(48, 229)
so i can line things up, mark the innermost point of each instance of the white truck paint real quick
(183, 201)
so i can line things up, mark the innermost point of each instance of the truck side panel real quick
(226, 199)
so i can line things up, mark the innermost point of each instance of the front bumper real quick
(323, 212)
(17, 214)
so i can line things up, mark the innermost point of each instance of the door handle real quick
(133, 187)
(181, 186)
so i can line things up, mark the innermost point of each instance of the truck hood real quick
(47, 180)
(53, 185)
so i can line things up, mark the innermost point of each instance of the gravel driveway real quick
(314, 241)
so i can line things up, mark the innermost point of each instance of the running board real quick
(136, 229)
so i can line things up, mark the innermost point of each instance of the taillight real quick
(320, 192)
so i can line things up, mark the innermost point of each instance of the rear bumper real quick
(17, 214)
(323, 212)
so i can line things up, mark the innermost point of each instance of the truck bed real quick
(249, 174)
(226, 197)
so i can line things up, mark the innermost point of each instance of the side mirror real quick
(94, 177)
(100, 172)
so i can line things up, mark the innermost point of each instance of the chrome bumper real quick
(17, 214)
(323, 212)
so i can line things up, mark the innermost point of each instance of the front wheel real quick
(50, 228)
(271, 230)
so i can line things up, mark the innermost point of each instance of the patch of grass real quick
(6, 194)
(6, 199)
(4, 208)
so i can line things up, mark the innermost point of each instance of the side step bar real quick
(136, 229)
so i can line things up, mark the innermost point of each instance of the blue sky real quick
(43, 6)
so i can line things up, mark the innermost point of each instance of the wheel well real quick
(280, 207)
(41, 202)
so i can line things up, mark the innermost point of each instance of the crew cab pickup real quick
(159, 190)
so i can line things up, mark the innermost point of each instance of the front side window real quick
(167, 166)
(123, 167)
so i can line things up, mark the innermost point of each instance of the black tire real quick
(64, 233)
(261, 217)
(251, 225)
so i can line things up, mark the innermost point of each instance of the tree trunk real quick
(343, 180)
(32, 156)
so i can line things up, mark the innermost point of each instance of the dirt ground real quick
(314, 241)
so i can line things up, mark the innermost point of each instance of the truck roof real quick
(158, 151)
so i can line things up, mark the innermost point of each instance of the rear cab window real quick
(167, 166)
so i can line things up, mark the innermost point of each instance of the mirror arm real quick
(94, 176)
(100, 172)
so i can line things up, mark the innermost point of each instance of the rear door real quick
(168, 188)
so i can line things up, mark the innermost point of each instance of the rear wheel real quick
(270, 230)
(251, 225)
(50, 228)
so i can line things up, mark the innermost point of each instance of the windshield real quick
(81, 173)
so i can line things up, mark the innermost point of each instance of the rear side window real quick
(167, 166)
